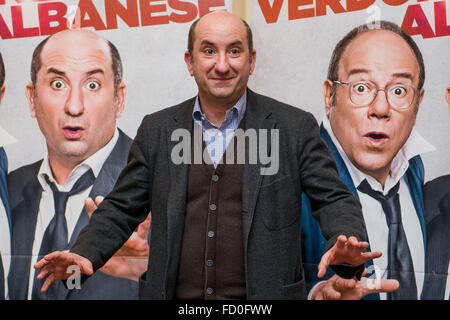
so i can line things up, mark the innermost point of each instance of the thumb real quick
(86, 266)
(323, 265)
(90, 206)
(99, 200)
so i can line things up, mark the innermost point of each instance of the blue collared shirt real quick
(217, 138)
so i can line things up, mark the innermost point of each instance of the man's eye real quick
(399, 91)
(361, 88)
(93, 85)
(235, 52)
(57, 84)
(208, 51)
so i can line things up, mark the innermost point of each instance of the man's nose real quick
(379, 107)
(222, 63)
(75, 102)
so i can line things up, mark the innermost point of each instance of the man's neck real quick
(61, 168)
(216, 110)
(379, 175)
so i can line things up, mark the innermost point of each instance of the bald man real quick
(76, 94)
(222, 229)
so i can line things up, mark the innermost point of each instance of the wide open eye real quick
(361, 88)
(57, 84)
(399, 91)
(92, 85)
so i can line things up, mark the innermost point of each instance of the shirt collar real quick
(414, 145)
(6, 138)
(94, 162)
(238, 110)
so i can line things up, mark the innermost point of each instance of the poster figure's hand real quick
(91, 206)
(337, 288)
(131, 260)
(349, 251)
(55, 265)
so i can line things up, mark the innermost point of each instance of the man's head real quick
(221, 57)
(372, 132)
(2, 78)
(76, 93)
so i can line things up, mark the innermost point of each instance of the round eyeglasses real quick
(362, 93)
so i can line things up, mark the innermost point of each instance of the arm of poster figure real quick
(131, 260)
(337, 288)
(349, 251)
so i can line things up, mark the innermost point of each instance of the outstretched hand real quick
(337, 288)
(349, 251)
(55, 266)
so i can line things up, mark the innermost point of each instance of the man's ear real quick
(188, 60)
(421, 93)
(121, 93)
(328, 96)
(253, 61)
(29, 92)
(2, 93)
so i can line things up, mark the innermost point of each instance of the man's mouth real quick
(377, 138)
(73, 132)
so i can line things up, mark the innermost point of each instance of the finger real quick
(379, 285)
(85, 266)
(56, 255)
(43, 273)
(341, 241)
(149, 217)
(364, 272)
(41, 263)
(389, 285)
(371, 255)
(344, 284)
(90, 206)
(323, 265)
(353, 242)
(47, 283)
(363, 245)
(330, 294)
(99, 199)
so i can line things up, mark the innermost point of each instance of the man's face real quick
(74, 99)
(221, 62)
(372, 135)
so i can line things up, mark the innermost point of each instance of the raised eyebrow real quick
(356, 71)
(56, 71)
(91, 72)
(405, 75)
(207, 43)
(236, 43)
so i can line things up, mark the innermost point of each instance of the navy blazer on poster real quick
(313, 243)
(25, 194)
(436, 195)
(4, 200)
